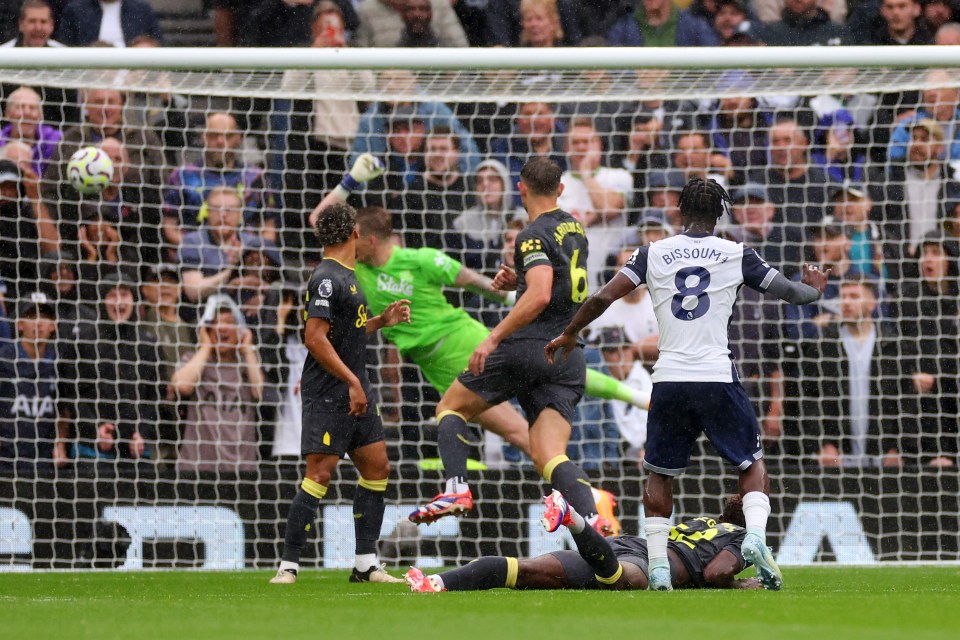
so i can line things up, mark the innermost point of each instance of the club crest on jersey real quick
(326, 288)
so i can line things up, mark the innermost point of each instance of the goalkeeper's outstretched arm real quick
(808, 290)
(367, 167)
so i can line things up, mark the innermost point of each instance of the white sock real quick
(658, 531)
(756, 510)
(365, 561)
(437, 582)
(456, 485)
(577, 523)
(286, 565)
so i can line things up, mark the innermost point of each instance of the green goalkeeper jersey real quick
(418, 275)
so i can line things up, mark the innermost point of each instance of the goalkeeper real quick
(441, 337)
(704, 553)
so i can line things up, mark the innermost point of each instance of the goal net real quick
(138, 429)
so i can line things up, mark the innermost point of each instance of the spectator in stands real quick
(476, 234)
(736, 130)
(540, 24)
(31, 440)
(634, 316)
(767, 11)
(653, 24)
(189, 185)
(25, 232)
(118, 22)
(406, 141)
(803, 24)
(663, 192)
(694, 157)
(917, 188)
(35, 26)
(210, 258)
(948, 34)
(754, 223)
(505, 21)
(852, 208)
(318, 143)
(797, 187)
(596, 195)
(940, 12)
(24, 117)
(695, 27)
(224, 380)
(927, 313)
(941, 103)
(902, 23)
(652, 226)
(731, 19)
(621, 362)
(417, 16)
(437, 193)
(372, 133)
(102, 252)
(382, 20)
(851, 384)
(104, 117)
(117, 373)
(831, 250)
(645, 152)
(159, 311)
(536, 132)
(59, 281)
(137, 223)
(836, 150)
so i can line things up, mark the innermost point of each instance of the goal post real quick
(844, 156)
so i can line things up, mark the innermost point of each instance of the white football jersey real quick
(693, 281)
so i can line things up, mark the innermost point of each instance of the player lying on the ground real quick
(703, 553)
(441, 337)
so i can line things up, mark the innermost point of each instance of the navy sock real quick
(368, 514)
(483, 573)
(303, 511)
(453, 441)
(572, 482)
(598, 553)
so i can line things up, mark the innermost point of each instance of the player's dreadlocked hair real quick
(733, 511)
(703, 199)
(335, 224)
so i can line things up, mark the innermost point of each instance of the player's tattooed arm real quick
(592, 309)
(396, 312)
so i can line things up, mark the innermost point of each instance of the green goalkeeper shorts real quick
(443, 361)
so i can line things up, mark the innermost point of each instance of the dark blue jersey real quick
(28, 405)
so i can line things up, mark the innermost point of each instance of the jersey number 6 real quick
(683, 292)
(578, 279)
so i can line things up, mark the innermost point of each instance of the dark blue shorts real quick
(681, 411)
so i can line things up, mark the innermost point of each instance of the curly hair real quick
(703, 199)
(335, 224)
(733, 511)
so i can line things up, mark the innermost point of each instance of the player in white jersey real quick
(693, 279)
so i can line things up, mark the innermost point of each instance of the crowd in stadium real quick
(159, 322)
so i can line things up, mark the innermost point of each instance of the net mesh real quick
(127, 441)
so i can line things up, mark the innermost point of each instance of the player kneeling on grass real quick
(704, 553)
(340, 413)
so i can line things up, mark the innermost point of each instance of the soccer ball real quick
(90, 170)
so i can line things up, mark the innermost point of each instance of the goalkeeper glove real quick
(365, 168)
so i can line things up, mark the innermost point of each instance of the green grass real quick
(817, 604)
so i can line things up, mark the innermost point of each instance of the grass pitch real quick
(818, 603)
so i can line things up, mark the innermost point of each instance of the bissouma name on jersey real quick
(694, 253)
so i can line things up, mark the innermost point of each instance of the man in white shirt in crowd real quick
(596, 195)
